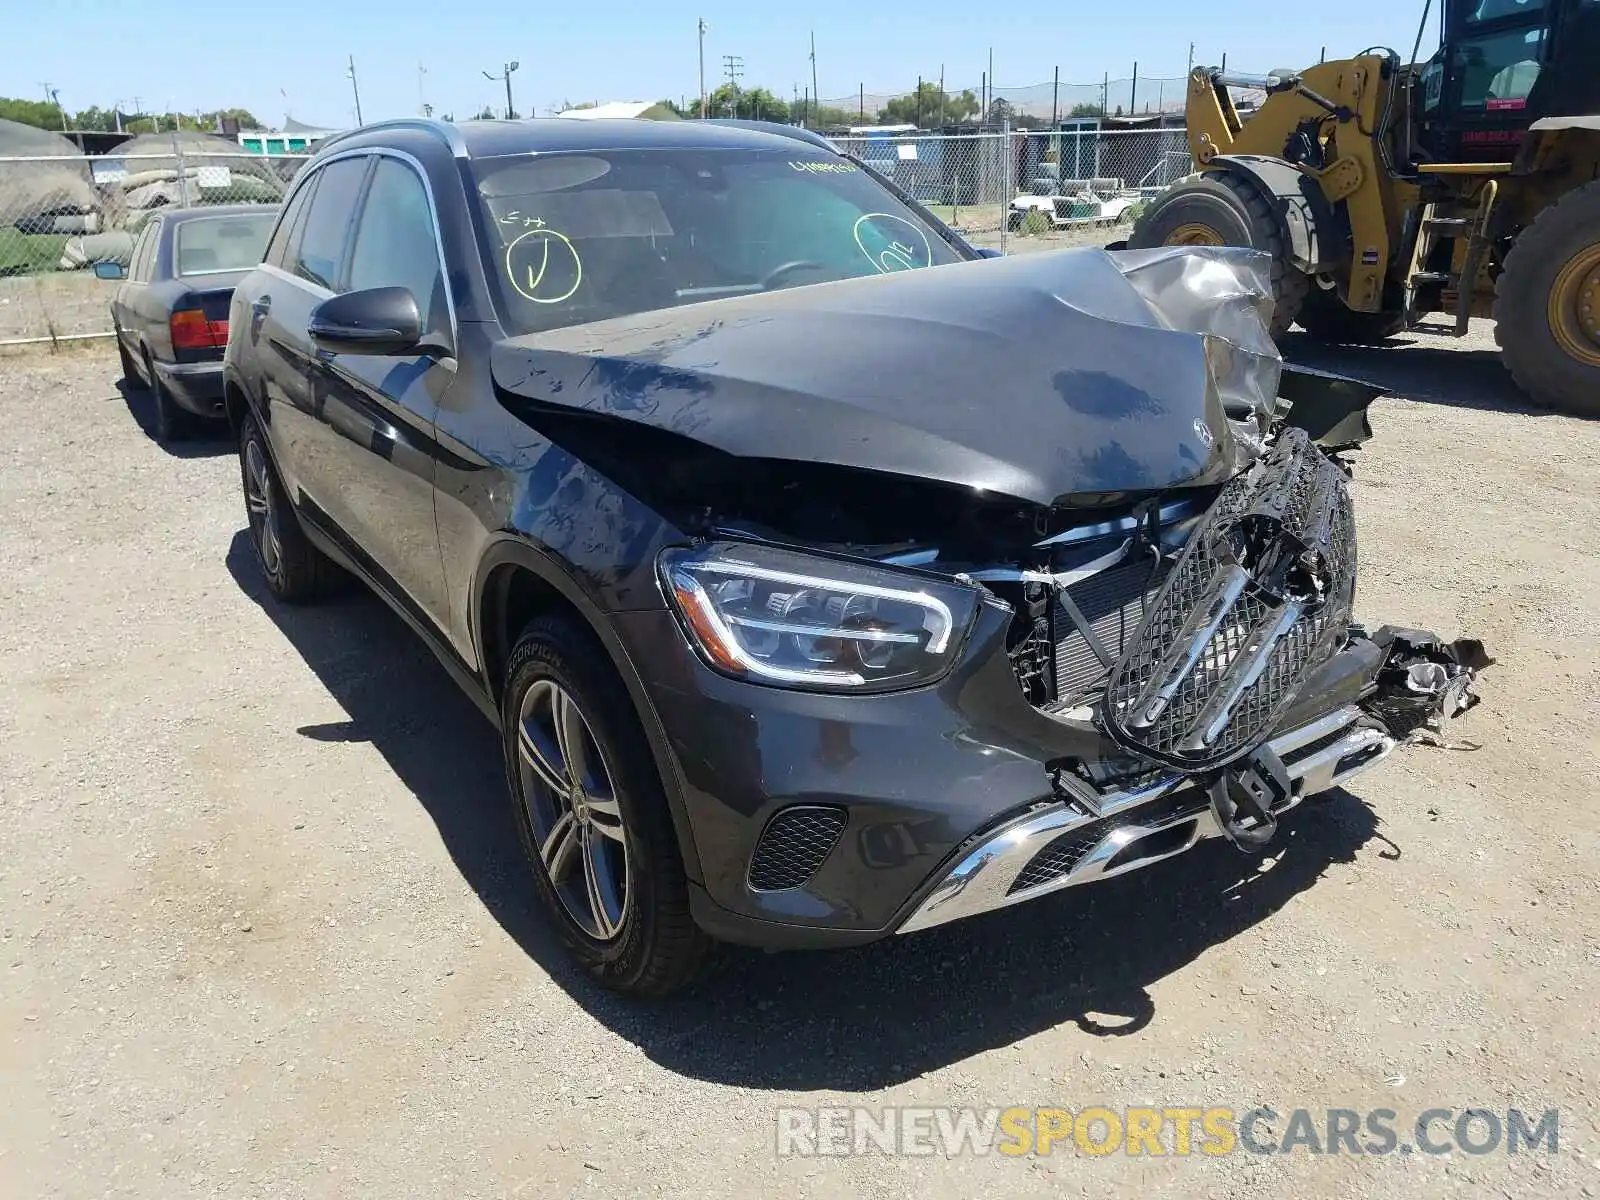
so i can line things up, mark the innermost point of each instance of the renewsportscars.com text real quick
(1161, 1131)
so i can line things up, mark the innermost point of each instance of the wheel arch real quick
(517, 582)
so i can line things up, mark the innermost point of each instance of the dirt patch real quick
(265, 930)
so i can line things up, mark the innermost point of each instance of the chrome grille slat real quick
(1221, 696)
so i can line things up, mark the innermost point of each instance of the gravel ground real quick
(265, 930)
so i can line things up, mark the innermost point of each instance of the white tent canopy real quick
(613, 108)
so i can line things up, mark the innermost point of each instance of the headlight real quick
(778, 617)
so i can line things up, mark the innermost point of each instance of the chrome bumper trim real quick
(981, 880)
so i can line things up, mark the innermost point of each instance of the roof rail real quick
(443, 130)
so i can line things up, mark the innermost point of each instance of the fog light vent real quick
(793, 846)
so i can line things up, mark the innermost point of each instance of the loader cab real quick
(1501, 65)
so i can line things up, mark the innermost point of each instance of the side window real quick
(395, 242)
(280, 237)
(147, 261)
(327, 221)
(1499, 71)
(1493, 10)
(141, 248)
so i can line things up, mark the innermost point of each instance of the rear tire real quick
(1220, 208)
(296, 571)
(1547, 341)
(616, 840)
(172, 423)
(1324, 316)
(130, 370)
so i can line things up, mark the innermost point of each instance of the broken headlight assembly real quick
(793, 620)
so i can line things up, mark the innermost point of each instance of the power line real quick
(355, 87)
(702, 26)
(506, 71)
(733, 67)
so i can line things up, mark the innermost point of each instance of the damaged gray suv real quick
(824, 581)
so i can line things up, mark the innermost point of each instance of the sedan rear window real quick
(585, 236)
(231, 243)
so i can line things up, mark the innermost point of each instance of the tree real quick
(487, 114)
(31, 112)
(928, 107)
(750, 104)
(1087, 110)
(692, 110)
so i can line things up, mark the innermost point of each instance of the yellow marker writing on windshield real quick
(528, 262)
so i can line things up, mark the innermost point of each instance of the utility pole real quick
(1133, 93)
(988, 103)
(861, 103)
(1055, 99)
(733, 67)
(702, 68)
(814, 90)
(422, 93)
(355, 88)
(505, 76)
(1190, 67)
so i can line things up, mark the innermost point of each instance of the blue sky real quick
(210, 55)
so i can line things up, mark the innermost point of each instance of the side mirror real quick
(990, 252)
(110, 270)
(375, 321)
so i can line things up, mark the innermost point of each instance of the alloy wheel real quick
(573, 810)
(263, 511)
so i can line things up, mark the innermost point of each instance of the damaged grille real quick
(1259, 597)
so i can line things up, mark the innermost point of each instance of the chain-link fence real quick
(1012, 190)
(1032, 190)
(62, 213)
(1050, 101)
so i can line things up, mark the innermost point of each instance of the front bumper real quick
(928, 781)
(1071, 843)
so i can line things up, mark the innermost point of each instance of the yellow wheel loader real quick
(1468, 185)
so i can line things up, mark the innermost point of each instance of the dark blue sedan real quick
(170, 311)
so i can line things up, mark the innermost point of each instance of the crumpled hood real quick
(1062, 377)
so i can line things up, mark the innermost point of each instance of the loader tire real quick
(1325, 317)
(1547, 305)
(1220, 208)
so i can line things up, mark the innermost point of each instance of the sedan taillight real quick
(192, 331)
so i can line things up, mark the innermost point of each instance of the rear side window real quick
(139, 260)
(395, 242)
(277, 250)
(231, 243)
(327, 222)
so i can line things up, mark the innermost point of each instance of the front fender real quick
(508, 550)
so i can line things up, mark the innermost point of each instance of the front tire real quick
(1220, 208)
(593, 817)
(295, 570)
(1547, 305)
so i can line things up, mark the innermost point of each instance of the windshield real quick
(232, 243)
(585, 236)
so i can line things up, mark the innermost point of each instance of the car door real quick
(373, 441)
(278, 313)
